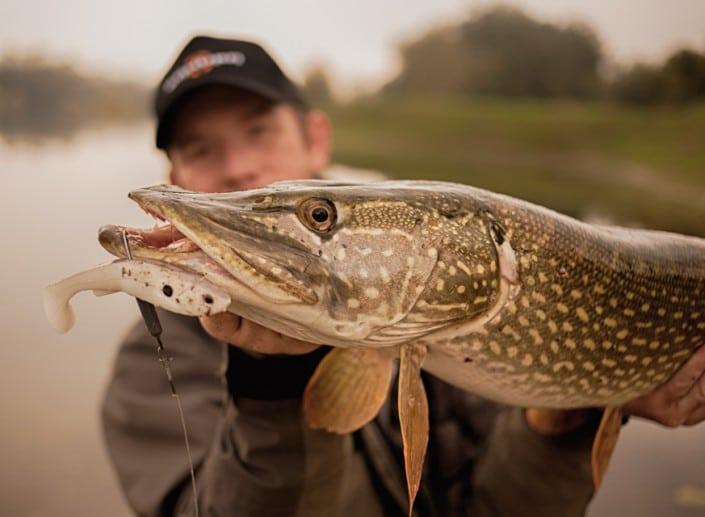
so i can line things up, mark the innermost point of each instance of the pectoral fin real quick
(347, 389)
(413, 416)
(604, 443)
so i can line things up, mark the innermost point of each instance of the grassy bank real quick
(641, 167)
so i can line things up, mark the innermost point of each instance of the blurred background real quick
(596, 109)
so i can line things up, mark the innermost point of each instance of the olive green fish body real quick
(599, 316)
(511, 300)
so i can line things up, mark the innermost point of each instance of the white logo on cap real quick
(199, 63)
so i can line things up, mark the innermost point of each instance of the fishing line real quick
(151, 321)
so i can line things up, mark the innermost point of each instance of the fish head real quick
(371, 264)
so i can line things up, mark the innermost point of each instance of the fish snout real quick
(109, 236)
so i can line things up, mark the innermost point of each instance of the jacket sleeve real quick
(523, 473)
(254, 456)
(265, 459)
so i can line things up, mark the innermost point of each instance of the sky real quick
(356, 40)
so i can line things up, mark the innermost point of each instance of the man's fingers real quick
(296, 346)
(224, 326)
(251, 336)
(256, 338)
(695, 399)
(266, 341)
(682, 382)
(680, 401)
(553, 422)
(696, 416)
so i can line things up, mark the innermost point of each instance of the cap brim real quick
(214, 79)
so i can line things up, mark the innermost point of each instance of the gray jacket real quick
(255, 455)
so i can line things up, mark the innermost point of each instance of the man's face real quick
(224, 139)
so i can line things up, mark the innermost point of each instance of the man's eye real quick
(256, 130)
(198, 151)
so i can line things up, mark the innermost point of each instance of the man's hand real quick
(248, 335)
(554, 422)
(681, 401)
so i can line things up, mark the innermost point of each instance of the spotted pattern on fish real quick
(511, 300)
(621, 309)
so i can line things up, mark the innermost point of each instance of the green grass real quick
(643, 167)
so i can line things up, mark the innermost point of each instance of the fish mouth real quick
(185, 236)
(161, 242)
(162, 238)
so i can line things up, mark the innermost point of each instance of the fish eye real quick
(317, 214)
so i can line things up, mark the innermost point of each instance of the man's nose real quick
(240, 168)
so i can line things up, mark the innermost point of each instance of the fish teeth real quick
(156, 216)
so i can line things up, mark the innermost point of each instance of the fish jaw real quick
(400, 262)
(264, 278)
(287, 284)
(232, 238)
(166, 245)
(292, 317)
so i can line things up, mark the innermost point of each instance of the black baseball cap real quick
(208, 61)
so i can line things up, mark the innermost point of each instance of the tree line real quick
(503, 52)
(38, 98)
(679, 79)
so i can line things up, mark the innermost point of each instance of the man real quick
(229, 119)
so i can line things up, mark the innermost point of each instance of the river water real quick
(53, 460)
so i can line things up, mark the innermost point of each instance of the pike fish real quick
(495, 295)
